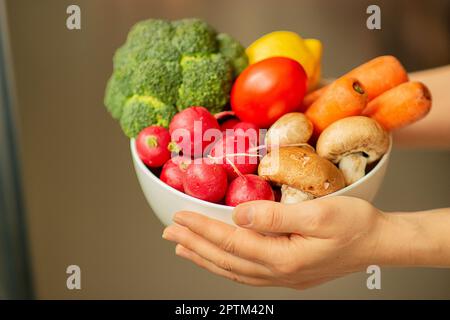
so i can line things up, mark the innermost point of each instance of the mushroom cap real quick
(352, 135)
(302, 169)
(291, 128)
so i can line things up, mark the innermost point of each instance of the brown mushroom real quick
(352, 143)
(291, 129)
(301, 173)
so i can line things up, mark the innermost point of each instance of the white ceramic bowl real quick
(166, 201)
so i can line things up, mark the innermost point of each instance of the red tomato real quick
(266, 90)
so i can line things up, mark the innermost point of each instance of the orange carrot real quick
(400, 106)
(377, 76)
(345, 97)
(313, 96)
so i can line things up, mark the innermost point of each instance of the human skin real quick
(312, 242)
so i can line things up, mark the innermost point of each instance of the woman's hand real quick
(309, 243)
(305, 244)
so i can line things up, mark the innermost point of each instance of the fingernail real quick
(243, 216)
(179, 250)
(165, 234)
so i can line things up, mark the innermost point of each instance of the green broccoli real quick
(212, 72)
(164, 66)
(158, 78)
(234, 51)
(193, 36)
(141, 111)
(118, 90)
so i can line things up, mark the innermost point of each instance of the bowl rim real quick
(152, 176)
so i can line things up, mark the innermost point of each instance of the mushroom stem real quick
(291, 195)
(353, 167)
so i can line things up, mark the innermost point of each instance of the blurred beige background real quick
(83, 201)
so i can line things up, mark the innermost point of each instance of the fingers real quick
(268, 216)
(205, 264)
(239, 242)
(214, 254)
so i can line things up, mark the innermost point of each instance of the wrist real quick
(411, 239)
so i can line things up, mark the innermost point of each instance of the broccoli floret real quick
(206, 82)
(194, 36)
(234, 51)
(142, 111)
(164, 66)
(151, 39)
(118, 89)
(158, 79)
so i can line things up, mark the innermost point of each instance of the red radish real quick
(232, 152)
(277, 192)
(249, 129)
(173, 172)
(151, 146)
(205, 180)
(223, 115)
(246, 188)
(188, 127)
(229, 124)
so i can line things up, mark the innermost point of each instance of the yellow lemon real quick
(315, 48)
(289, 44)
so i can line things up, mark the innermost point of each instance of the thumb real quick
(270, 216)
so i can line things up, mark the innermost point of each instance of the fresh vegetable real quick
(174, 170)
(266, 90)
(205, 180)
(151, 146)
(180, 75)
(234, 51)
(140, 111)
(301, 173)
(206, 81)
(229, 124)
(400, 106)
(316, 49)
(288, 44)
(377, 76)
(246, 188)
(188, 128)
(277, 193)
(224, 115)
(344, 98)
(164, 66)
(290, 130)
(232, 152)
(248, 129)
(244, 126)
(353, 143)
